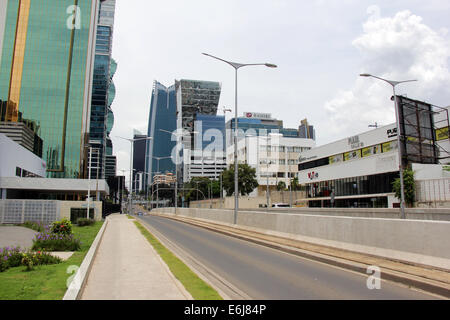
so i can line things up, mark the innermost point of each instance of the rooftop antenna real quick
(373, 125)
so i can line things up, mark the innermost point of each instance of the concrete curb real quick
(76, 287)
(360, 267)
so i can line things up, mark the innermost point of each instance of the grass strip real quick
(130, 217)
(199, 289)
(46, 282)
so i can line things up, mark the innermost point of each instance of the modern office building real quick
(274, 157)
(208, 158)
(110, 167)
(174, 109)
(47, 59)
(261, 124)
(359, 170)
(306, 131)
(24, 133)
(139, 149)
(103, 90)
(163, 116)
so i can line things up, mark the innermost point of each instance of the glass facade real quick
(44, 74)
(258, 127)
(163, 116)
(212, 129)
(103, 90)
(197, 97)
(355, 186)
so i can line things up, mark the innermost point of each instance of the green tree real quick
(200, 183)
(281, 186)
(409, 186)
(246, 179)
(294, 184)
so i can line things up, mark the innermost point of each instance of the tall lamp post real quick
(397, 115)
(236, 67)
(131, 168)
(157, 187)
(177, 135)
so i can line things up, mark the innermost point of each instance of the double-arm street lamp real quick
(157, 186)
(236, 67)
(131, 167)
(177, 135)
(399, 148)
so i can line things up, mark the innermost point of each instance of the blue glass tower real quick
(163, 116)
(103, 90)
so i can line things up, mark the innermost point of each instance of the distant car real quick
(140, 214)
(281, 205)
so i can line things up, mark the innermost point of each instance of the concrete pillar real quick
(3, 194)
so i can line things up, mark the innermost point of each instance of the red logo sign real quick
(313, 175)
(249, 115)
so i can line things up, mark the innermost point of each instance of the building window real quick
(18, 172)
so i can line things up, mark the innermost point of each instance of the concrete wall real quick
(249, 202)
(415, 241)
(47, 211)
(65, 207)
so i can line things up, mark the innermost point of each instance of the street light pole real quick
(399, 148)
(236, 67)
(131, 168)
(177, 135)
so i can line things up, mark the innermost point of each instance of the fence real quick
(433, 190)
(19, 211)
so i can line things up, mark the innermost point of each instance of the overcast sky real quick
(320, 48)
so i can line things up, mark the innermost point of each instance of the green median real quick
(199, 289)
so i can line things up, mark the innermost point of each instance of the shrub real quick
(36, 225)
(82, 222)
(62, 227)
(55, 242)
(16, 257)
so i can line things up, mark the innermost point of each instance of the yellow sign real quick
(336, 158)
(389, 146)
(371, 150)
(352, 155)
(442, 134)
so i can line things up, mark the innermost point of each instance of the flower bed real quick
(11, 257)
(36, 226)
(55, 242)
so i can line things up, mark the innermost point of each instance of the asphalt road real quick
(268, 274)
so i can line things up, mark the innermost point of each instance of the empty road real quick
(268, 274)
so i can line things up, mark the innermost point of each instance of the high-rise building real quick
(139, 148)
(258, 124)
(47, 58)
(163, 116)
(306, 131)
(103, 89)
(208, 158)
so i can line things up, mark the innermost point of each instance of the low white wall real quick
(65, 207)
(416, 241)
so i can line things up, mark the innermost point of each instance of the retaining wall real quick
(416, 241)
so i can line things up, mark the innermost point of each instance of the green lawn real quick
(199, 289)
(46, 282)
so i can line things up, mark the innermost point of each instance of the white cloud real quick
(399, 48)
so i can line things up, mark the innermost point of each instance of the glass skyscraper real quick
(103, 90)
(176, 108)
(163, 116)
(47, 54)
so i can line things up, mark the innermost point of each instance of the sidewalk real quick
(127, 267)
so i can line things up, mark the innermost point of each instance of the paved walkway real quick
(16, 237)
(127, 267)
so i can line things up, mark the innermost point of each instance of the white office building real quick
(274, 157)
